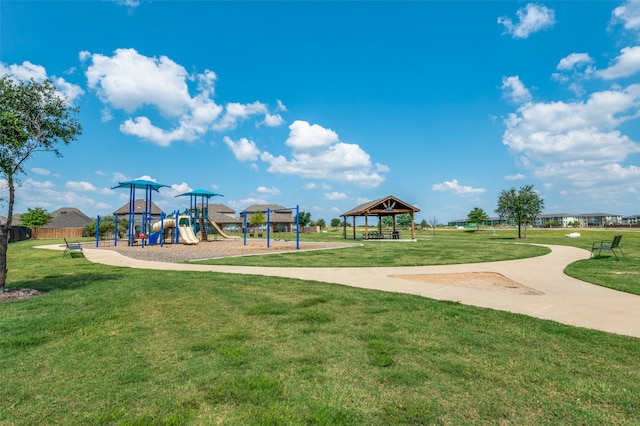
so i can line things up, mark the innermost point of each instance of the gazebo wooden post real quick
(413, 228)
(354, 227)
(366, 226)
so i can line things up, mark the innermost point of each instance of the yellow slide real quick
(184, 229)
(220, 232)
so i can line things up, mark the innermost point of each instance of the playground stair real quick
(203, 230)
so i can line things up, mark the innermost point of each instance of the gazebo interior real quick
(387, 206)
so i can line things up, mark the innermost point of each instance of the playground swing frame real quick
(268, 212)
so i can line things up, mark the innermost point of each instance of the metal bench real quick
(72, 247)
(608, 245)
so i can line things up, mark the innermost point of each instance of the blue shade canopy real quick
(200, 193)
(141, 184)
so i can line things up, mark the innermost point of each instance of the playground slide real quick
(187, 235)
(217, 228)
(185, 231)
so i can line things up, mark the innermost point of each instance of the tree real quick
(478, 216)
(387, 221)
(404, 220)
(304, 219)
(433, 221)
(34, 117)
(522, 206)
(35, 218)
(321, 223)
(423, 224)
(335, 222)
(257, 219)
(107, 225)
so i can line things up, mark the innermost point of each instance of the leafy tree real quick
(522, 206)
(304, 219)
(335, 222)
(478, 216)
(34, 118)
(404, 220)
(35, 218)
(257, 219)
(423, 224)
(107, 225)
(321, 223)
(387, 221)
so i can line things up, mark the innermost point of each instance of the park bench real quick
(72, 247)
(608, 245)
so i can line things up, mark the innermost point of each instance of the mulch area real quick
(173, 253)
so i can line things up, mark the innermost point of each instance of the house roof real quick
(223, 218)
(68, 217)
(218, 208)
(278, 213)
(139, 206)
(385, 206)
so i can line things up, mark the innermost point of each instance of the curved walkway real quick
(565, 299)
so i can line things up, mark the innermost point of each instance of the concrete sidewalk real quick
(565, 299)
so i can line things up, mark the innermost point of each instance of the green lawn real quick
(121, 346)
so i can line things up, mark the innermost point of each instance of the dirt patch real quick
(11, 294)
(491, 281)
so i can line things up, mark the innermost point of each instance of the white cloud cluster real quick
(515, 90)
(628, 14)
(317, 153)
(576, 141)
(130, 82)
(27, 71)
(532, 18)
(454, 187)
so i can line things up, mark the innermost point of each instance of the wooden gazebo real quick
(387, 206)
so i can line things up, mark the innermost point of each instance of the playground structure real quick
(189, 225)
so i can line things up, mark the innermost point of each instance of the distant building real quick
(631, 220)
(225, 217)
(281, 219)
(564, 219)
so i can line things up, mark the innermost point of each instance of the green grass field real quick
(110, 345)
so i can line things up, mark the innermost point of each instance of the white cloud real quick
(273, 120)
(271, 191)
(236, 112)
(577, 142)
(532, 18)
(243, 149)
(574, 59)
(128, 3)
(518, 176)
(40, 171)
(80, 186)
(625, 65)
(628, 14)
(454, 187)
(318, 153)
(515, 90)
(130, 81)
(333, 196)
(28, 71)
(281, 106)
(310, 185)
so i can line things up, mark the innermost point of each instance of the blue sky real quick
(327, 105)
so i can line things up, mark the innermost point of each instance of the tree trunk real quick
(4, 235)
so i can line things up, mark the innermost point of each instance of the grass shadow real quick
(65, 281)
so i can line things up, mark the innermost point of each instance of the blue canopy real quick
(141, 184)
(200, 193)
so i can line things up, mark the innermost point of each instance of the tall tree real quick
(35, 218)
(34, 117)
(478, 216)
(404, 220)
(335, 222)
(304, 219)
(521, 206)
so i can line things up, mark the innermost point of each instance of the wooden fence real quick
(43, 233)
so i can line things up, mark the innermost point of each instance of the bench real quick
(72, 247)
(608, 245)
